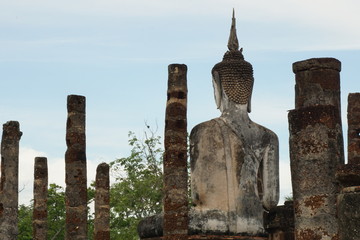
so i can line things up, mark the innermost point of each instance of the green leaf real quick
(137, 192)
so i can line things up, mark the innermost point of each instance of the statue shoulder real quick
(267, 132)
(208, 127)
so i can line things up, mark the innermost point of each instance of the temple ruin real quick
(234, 165)
(326, 191)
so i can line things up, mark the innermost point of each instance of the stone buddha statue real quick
(234, 161)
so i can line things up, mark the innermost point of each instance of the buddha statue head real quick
(233, 77)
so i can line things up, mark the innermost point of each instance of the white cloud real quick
(285, 180)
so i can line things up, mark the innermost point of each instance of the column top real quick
(317, 63)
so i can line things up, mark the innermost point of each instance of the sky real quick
(116, 53)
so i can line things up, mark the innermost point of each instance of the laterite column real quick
(102, 203)
(75, 167)
(40, 199)
(9, 186)
(316, 148)
(175, 160)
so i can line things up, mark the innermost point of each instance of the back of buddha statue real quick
(234, 161)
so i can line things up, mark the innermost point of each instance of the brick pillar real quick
(316, 148)
(349, 176)
(75, 167)
(40, 199)
(175, 159)
(102, 203)
(9, 186)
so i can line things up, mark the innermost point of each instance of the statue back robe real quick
(225, 182)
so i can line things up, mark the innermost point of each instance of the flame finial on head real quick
(233, 43)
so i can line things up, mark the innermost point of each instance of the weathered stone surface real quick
(9, 185)
(175, 224)
(317, 82)
(40, 199)
(234, 161)
(102, 203)
(354, 128)
(227, 183)
(317, 63)
(349, 213)
(279, 222)
(75, 167)
(315, 153)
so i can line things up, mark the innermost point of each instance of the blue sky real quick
(116, 54)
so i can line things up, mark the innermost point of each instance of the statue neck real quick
(236, 113)
(237, 118)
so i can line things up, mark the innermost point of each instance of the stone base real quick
(213, 237)
(152, 228)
